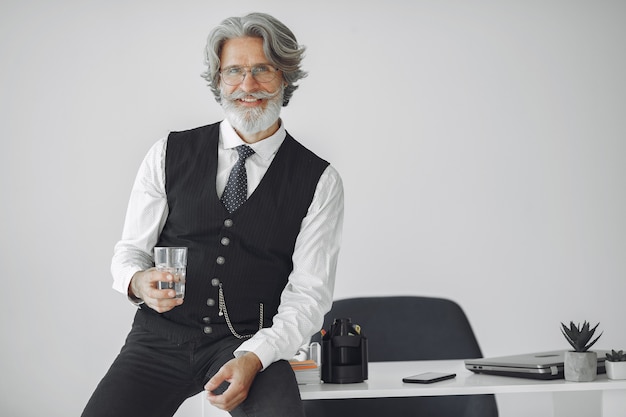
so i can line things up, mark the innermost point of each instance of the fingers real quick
(161, 305)
(229, 399)
(240, 374)
(145, 285)
(220, 393)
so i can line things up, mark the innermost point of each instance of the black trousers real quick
(152, 377)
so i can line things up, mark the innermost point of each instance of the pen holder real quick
(344, 353)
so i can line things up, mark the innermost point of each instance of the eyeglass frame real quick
(249, 69)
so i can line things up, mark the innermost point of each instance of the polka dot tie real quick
(236, 191)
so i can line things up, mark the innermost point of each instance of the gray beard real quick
(250, 121)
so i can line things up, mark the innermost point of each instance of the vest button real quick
(220, 260)
(206, 320)
(207, 330)
(215, 282)
(225, 241)
(210, 302)
(228, 222)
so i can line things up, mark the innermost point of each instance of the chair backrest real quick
(409, 328)
(402, 329)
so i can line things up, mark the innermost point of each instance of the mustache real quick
(259, 95)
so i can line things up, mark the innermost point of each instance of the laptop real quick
(541, 365)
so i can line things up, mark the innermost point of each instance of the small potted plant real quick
(581, 364)
(615, 365)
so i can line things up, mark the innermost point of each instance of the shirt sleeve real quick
(308, 295)
(145, 217)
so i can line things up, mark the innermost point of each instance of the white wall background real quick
(503, 122)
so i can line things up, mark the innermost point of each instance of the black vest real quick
(248, 253)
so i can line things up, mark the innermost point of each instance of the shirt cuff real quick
(262, 350)
(136, 301)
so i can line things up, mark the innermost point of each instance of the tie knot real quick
(244, 151)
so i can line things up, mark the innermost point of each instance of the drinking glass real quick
(174, 261)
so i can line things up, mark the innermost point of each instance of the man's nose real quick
(249, 83)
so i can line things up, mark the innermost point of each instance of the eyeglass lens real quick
(236, 75)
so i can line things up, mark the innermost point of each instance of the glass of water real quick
(174, 261)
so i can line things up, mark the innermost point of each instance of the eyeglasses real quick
(263, 73)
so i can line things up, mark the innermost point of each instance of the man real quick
(260, 276)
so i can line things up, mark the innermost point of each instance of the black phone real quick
(428, 377)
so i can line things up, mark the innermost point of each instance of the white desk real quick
(602, 397)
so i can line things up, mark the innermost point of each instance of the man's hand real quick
(145, 284)
(240, 373)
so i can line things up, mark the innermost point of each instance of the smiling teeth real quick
(249, 100)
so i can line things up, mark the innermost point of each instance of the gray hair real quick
(279, 44)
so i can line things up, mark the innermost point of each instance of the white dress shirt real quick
(309, 291)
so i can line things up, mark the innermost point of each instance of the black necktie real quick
(236, 191)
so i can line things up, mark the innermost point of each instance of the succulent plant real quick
(614, 356)
(579, 336)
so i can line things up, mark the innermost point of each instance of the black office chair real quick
(406, 329)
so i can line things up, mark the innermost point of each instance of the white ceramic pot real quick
(615, 370)
(581, 366)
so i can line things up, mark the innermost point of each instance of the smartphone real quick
(428, 377)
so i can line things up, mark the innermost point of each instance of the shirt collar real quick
(265, 148)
